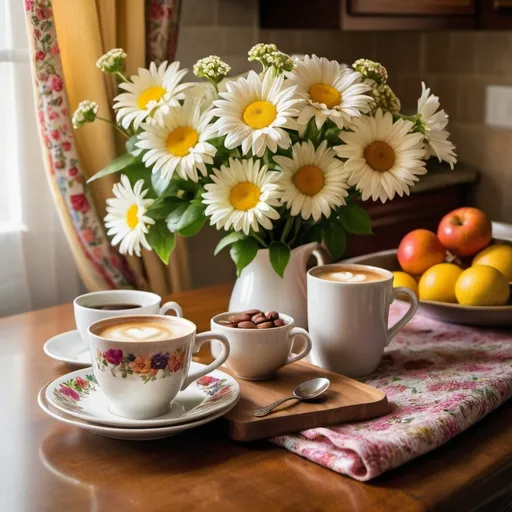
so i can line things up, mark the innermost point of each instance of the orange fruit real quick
(497, 256)
(438, 283)
(481, 285)
(406, 280)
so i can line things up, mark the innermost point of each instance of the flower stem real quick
(287, 228)
(295, 231)
(259, 239)
(121, 76)
(120, 130)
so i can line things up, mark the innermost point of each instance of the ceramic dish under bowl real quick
(489, 316)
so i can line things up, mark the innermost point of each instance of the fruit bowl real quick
(490, 316)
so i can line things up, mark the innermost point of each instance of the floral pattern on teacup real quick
(72, 391)
(146, 367)
(216, 390)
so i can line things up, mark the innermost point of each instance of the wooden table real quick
(48, 466)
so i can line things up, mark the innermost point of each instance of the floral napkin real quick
(439, 378)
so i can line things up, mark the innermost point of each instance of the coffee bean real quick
(239, 318)
(246, 325)
(252, 312)
(265, 325)
(226, 323)
(279, 322)
(272, 315)
(258, 319)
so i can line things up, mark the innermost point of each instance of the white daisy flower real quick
(242, 196)
(150, 92)
(179, 143)
(383, 157)
(328, 91)
(253, 112)
(126, 220)
(434, 124)
(313, 181)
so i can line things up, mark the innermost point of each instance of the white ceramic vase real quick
(260, 287)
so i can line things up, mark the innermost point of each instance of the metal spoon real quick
(306, 391)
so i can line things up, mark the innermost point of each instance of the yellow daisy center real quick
(323, 93)
(244, 196)
(150, 94)
(181, 140)
(380, 156)
(309, 180)
(132, 216)
(260, 114)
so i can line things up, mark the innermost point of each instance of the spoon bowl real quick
(311, 388)
(306, 391)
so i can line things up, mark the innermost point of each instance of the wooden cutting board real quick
(345, 400)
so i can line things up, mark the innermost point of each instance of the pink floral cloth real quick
(439, 378)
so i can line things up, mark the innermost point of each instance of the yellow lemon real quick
(406, 280)
(438, 282)
(481, 285)
(497, 256)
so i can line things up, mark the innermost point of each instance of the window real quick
(14, 64)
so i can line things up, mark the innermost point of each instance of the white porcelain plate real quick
(133, 434)
(79, 395)
(68, 348)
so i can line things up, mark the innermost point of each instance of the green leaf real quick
(229, 239)
(116, 165)
(243, 252)
(163, 206)
(279, 254)
(335, 238)
(185, 215)
(194, 228)
(356, 219)
(161, 240)
(159, 183)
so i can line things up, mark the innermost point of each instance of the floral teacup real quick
(142, 372)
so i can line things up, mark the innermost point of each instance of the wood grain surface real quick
(345, 400)
(49, 467)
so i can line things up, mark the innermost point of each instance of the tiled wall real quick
(457, 65)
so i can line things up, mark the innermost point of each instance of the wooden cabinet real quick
(371, 14)
(495, 14)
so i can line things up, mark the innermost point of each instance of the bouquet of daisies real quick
(276, 159)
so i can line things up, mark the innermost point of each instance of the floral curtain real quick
(162, 17)
(99, 264)
(70, 158)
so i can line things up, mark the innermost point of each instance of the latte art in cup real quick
(141, 331)
(348, 274)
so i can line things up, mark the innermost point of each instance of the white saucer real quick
(79, 395)
(134, 434)
(68, 348)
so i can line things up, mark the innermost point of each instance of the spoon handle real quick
(263, 411)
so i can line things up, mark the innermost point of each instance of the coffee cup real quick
(348, 310)
(141, 362)
(256, 354)
(94, 306)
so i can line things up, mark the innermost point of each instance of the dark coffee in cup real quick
(114, 307)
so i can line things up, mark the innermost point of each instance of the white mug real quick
(256, 354)
(348, 321)
(149, 303)
(141, 378)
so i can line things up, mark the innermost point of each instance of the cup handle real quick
(298, 331)
(174, 306)
(219, 360)
(408, 315)
(322, 255)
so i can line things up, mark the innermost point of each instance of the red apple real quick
(419, 250)
(465, 231)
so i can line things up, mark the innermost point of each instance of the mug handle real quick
(408, 315)
(219, 360)
(174, 306)
(298, 331)
(322, 255)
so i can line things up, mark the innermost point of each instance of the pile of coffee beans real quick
(254, 319)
